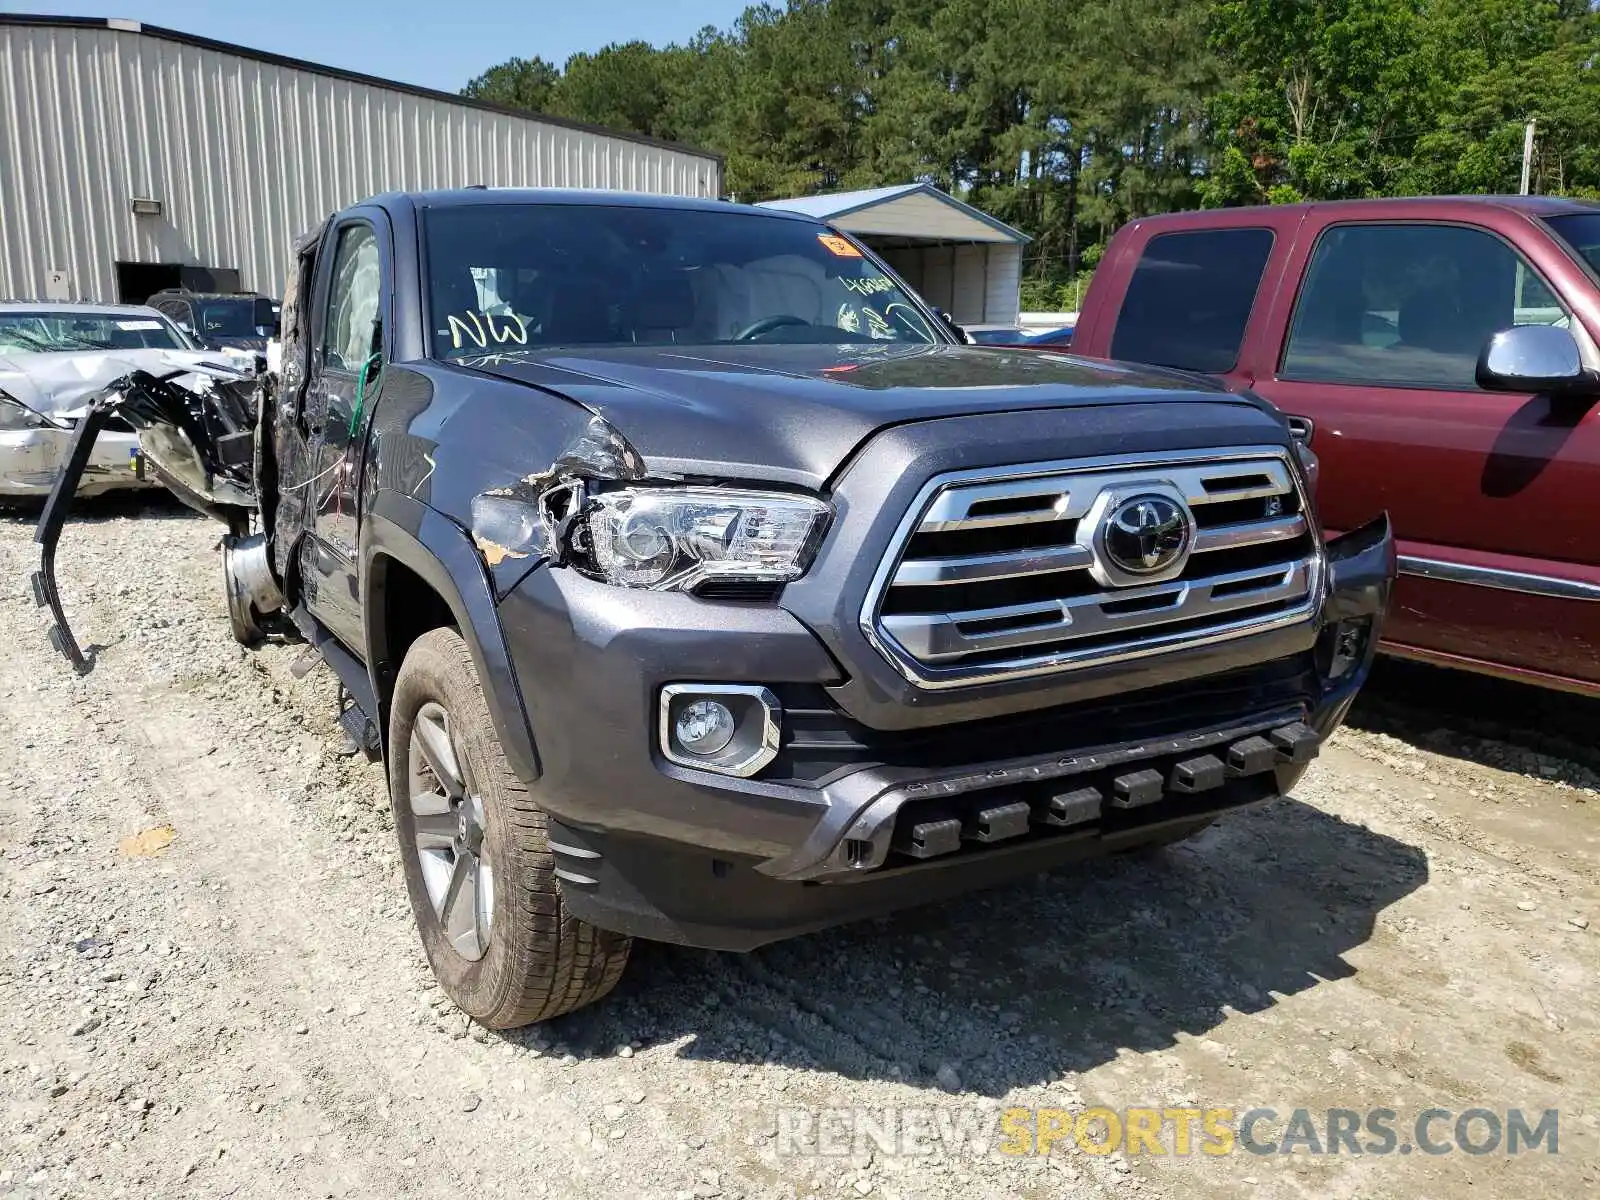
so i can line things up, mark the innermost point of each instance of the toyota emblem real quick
(1146, 534)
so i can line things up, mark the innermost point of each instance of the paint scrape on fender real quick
(524, 519)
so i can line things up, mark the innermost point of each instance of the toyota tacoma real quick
(696, 582)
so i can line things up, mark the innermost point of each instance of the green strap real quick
(361, 392)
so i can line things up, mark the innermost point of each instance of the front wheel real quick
(477, 857)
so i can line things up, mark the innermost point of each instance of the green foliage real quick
(1068, 118)
(517, 83)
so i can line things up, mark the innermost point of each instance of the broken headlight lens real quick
(14, 417)
(673, 539)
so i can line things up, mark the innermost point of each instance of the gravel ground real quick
(213, 986)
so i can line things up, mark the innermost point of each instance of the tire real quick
(503, 947)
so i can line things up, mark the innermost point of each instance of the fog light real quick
(705, 727)
(729, 728)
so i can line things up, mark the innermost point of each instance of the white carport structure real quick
(958, 258)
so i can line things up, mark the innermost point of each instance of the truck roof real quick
(468, 196)
(186, 294)
(1394, 206)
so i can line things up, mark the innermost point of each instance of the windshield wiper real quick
(27, 339)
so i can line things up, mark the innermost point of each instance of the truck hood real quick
(60, 385)
(795, 413)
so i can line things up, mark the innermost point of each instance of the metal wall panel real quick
(244, 155)
(970, 298)
(1004, 284)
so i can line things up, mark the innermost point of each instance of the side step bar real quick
(359, 718)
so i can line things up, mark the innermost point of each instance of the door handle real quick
(1302, 429)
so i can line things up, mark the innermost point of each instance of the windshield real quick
(1581, 231)
(60, 332)
(507, 276)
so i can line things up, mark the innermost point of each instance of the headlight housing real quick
(15, 416)
(674, 539)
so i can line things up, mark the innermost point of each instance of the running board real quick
(351, 672)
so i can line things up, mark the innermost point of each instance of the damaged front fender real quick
(525, 522)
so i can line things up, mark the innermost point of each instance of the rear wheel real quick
(477, 857)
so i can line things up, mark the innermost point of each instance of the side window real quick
(178, 310)
(1190, 299)
(353, 295)
(1410, 305)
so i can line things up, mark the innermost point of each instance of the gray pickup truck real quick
(696, 582)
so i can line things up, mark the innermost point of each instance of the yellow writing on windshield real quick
(872, 285)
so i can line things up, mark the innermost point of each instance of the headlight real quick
(672, 539)
(15, 417)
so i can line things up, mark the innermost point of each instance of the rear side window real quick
(1190, 298)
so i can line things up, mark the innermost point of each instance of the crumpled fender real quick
(1361, 568)
(400, 529)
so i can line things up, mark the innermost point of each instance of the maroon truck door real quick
(1493, 495)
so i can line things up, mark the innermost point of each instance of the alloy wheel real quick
(447, 816)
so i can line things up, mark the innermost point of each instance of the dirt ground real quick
(212, 986)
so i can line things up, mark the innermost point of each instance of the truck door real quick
(1491, 494)
(345, 372)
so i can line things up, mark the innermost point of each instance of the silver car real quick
(54, 357)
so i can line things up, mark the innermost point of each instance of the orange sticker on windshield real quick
(838, 245)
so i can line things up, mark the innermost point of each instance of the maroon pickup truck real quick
(1443, 355)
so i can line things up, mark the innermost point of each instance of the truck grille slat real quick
(1250, 533)
(994, 577)
(948, 635)
(974, 568)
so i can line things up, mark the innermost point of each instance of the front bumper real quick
(30, 460)
(829, 831)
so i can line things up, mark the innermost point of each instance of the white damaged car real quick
(54, 359)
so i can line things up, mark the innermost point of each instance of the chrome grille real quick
(1006, 573)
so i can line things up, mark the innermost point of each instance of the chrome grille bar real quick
(1250, 533)
(1068, 497)
(934, 636)
(974, 568)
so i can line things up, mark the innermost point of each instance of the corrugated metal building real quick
(956, 256)
(134, 158)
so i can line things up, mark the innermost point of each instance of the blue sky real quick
(439, 45)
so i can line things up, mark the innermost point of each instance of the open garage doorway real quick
(956, 257)
(137, 282)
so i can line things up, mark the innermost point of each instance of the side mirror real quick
(950, 324)
(1536, 358)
